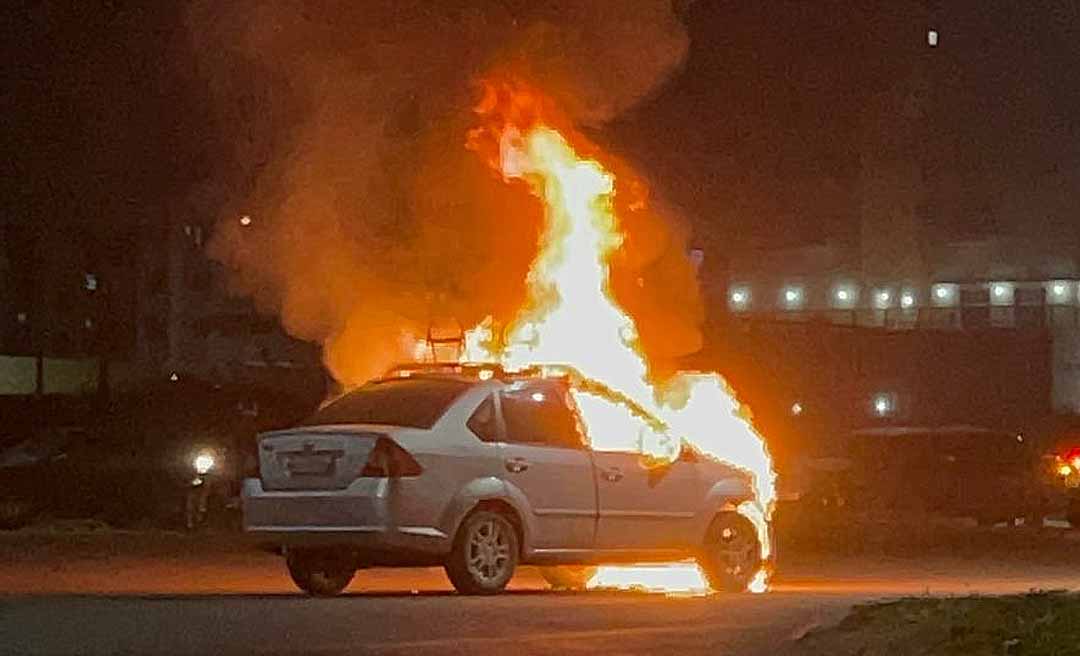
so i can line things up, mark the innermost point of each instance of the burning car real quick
(480, 471)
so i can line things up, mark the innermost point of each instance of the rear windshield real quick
(412, 402)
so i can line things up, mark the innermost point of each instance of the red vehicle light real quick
(389, 460)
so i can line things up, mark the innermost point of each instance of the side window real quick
(539, 414)
(482, 422)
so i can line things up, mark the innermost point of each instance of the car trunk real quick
(314, 458)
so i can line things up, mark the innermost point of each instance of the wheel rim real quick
(737, 551)
(488, 555)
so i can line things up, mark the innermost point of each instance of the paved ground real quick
(165, 594)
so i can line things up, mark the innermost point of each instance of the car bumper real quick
(362, 519)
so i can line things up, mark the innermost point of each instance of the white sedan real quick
(480, 476)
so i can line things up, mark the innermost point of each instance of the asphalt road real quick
(134, 594)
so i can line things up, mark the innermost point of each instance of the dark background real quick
(758, 139)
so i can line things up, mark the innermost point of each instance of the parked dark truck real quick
(958, 471)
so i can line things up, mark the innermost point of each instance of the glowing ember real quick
(571, 318)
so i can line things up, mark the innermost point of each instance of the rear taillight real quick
(389, 460)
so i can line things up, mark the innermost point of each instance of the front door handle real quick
(516, 465)
(612, 475)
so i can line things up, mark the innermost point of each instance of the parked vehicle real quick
(479, 476)
(958, 471)
(171, 454)
(1065, 470)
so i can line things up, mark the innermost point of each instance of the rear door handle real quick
(612, 475)
(516, 465)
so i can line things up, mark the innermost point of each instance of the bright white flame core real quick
(572, 320)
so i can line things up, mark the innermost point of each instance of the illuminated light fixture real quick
(932, 38)
(883, 299)
(203, 462)
(21, 317)
(538, 396)
(945, 294)
(1002, 293)
(486, 374)
(1060, 292)
(1064, 470)
(793, 297)
(908, 299)
(796, 409)
(845, 296)
(739, 298)
(883, 405)
(245, 220)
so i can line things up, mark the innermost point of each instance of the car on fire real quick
(480, 472)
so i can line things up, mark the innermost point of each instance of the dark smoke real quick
(370, 220)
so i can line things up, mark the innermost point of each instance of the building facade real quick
(975, 287)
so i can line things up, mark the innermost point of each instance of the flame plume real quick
(571, 318)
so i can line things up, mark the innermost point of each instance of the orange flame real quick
(572, 318)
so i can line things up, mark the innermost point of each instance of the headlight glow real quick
(203, 462)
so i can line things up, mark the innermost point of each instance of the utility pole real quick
(38, 331)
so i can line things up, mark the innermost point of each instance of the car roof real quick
(477, 372)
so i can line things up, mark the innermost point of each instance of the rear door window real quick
(483, 422)
(537, 413)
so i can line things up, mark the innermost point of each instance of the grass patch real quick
(1043, 624)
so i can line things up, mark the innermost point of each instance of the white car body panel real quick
(566, 509)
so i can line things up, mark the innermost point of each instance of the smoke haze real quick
(370, 219)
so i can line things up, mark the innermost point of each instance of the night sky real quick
(757, 139)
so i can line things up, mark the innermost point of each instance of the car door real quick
(645, 504)
(544, 457)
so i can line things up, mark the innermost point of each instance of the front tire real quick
(485, 554)
(731, 556)
(320, 573)
(568, 577)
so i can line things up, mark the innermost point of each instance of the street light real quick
(845, 296)
(1002, 293)
(1059, 292)
(793, 297)
(883, 299)
(883, 405)
(944, 294)
(739, 299)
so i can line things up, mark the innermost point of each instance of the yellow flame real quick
(572, 319)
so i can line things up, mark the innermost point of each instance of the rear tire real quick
(568, 577)
(731, 556)
(320, 573)
(485, 554)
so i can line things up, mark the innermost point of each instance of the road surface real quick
(133, 594)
